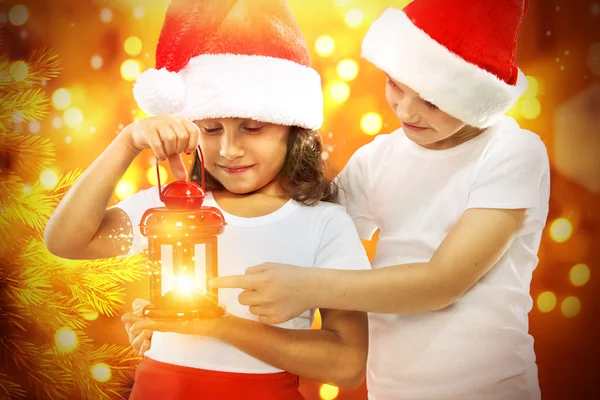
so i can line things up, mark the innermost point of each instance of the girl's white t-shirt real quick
(479, 347)
(322, 236)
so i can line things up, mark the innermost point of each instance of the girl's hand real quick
(140, 341)
(168, 136)
(204, 327)
(275, 293)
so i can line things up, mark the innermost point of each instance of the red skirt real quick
(160, 381)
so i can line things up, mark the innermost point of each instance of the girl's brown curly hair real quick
(303, 172)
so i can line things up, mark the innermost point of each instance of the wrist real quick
(221, 327)
(125, 142)
(315, 285)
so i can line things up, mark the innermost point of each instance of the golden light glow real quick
(347, 69)
(18, 15)
(371, 123)
(152, 178)
(61, 99)
(66, 340)
(57, 122)
(101, 372)
(185, 284)
(354, 17)
(90, 316)
(570, 306)
(125, 189)
(138, 12)
(34, 127)
(96, 62)
(342, 3)
(130, 70)
(324, 46)
(579, 275)
(19, 71)
(106, 15)
(133, 45)
(561, 230)
(531, 108)
(339, 91)
(546, 302)
(73, 117)
(48, 178)
(515, 109)
(329, 392)
(533, 87)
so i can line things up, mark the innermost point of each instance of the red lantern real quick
(182, 246)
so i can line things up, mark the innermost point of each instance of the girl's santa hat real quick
(228, 58)
(460, 56)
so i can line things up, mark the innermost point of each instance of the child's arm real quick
(81, 227)
(470, 249)
(335, 354)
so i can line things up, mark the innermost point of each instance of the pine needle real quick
(32, 154)
(9, 388)
(26, 105)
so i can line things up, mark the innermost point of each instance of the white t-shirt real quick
(479, 347)
(322, 235)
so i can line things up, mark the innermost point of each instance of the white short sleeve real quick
(514, 173)
(352, 182)
(339, 246)
(135, 207)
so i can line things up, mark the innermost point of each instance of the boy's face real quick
(422, 122)
(242, 154)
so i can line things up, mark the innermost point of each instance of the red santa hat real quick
(228, 58)
(460, 56)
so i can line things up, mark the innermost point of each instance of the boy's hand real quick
(275, 293)
(168, 136)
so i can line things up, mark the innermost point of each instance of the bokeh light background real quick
(104, 44)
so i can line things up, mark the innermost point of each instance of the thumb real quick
(178, 167)
(139, 304)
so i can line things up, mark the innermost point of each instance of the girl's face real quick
(422, 122)
(242, 154)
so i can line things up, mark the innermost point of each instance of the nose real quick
(231, 148)
(405, 109)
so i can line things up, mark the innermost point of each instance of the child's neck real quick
(465, 134)
(251, 205)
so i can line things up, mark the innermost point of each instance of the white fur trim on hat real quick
(462, 89)
(262, 88)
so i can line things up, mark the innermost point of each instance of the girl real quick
(255, 101)
(460, 197)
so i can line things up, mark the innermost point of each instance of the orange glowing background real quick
(104, 44)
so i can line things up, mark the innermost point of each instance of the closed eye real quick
(254, 130)
(391, 83)
(431, 106)
(211, 131)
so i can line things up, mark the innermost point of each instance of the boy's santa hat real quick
(460, 56)
(228, 58)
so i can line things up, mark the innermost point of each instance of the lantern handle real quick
(199, 151)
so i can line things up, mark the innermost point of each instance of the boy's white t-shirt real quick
(322, 235)
(479, 347)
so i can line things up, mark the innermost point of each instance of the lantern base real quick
(184, 306)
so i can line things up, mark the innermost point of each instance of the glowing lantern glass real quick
(182, 246)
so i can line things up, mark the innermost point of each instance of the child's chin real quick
(240, 189)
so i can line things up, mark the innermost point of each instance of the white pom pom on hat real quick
(159, 91)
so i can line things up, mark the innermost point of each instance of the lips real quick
(236, 169)
(413, 127)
